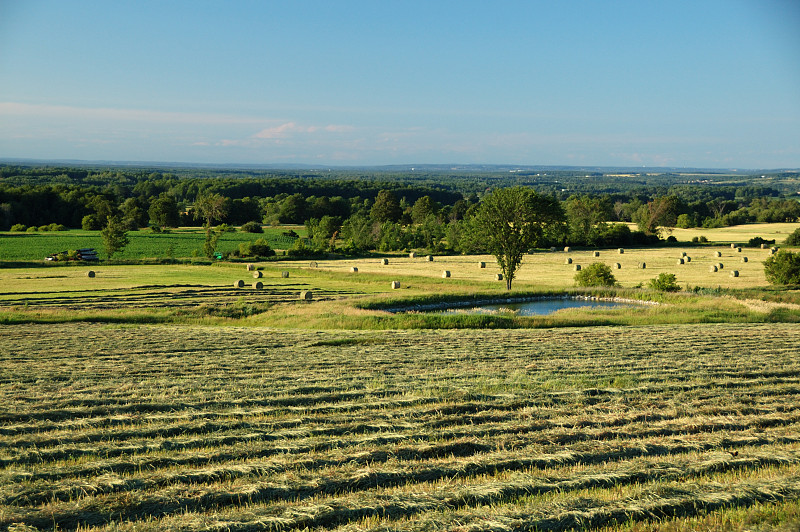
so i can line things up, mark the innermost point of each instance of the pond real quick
(538, 306)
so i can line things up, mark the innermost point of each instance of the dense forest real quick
(388, 208)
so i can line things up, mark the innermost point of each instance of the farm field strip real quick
(191, 427)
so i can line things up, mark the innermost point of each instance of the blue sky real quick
(604, 83)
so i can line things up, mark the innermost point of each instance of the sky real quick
(700, 83)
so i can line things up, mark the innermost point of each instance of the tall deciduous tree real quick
(114, 235)
(212, 207)
(386, 207)
(510, 221)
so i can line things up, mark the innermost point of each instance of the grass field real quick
(158, 396)
(218, 428)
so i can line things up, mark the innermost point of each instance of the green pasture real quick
(177, 243)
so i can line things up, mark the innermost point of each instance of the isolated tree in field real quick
(211, 207)
(596, 274)
(510, 221)
(114, 235)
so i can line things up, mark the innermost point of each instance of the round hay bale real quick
(596, 254)
(429, 258)
(251, 267)
(354, 270)
(687, 258)
(498, 277)
(744, 259)
(412, 255)
(617, 266)
(733, 246)
(719, 265)
(568, 260)
(306, 295)
(481, 264)
(577, 267)
(257, 275)
(90, 273)
(681, 261)
(553, 248)
(717, 253)
(763, 246)
(774, 248)
(384, 261)
(712, 268)
(395, 285)
(734, 273)
(738, 250)
(445, 274)
(313, 265)
(258, 285)
(238, 284)
(772, 252)
(285, 275)
(642, 265)
(620, 251)
(683, 253)
(566, 249)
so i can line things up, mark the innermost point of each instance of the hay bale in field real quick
(384, 261)
(763, 246)
(719, 265)
(306, 295)
(285, 275)
(258, 285)
(566, 249)
(738, 250)
(553, 248)
(481, 264)
(313, 265)
(744, 259)
(712, 268)
(620, 251)
(354, 270)
(412, 255)
(238, 284)
(734, 273)
(251, 267)
(617, 266)
(717, 253)
(596, 254)
(683, 253)
(568, 260)
(681, 261)
(257, 275)
(772, 252)
(429, 258)
(642, 266)
(445, 274)
(395, 285)
(577, 267)
(90, 273)
(498, 277)
(687, 258)
(733, 246)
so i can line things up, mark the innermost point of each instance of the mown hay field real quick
(141, 427)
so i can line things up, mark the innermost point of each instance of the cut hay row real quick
(193, 427)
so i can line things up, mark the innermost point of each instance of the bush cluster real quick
(596, 274)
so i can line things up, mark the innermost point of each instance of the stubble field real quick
(230, 428)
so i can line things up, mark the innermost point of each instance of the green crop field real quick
(142, 427)
(178, 243)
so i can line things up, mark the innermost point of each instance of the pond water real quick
(533, 308)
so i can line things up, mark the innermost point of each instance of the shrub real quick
(757, 241)
(91, 222)
(703, 239)
(672, 240)
(252, 227)
(596, 274)
(791, 240)
(665, 282)
(32, 229)
(783, 268)
(259, 248)
(19, 227)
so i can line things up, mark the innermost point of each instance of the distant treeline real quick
(386, 209)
